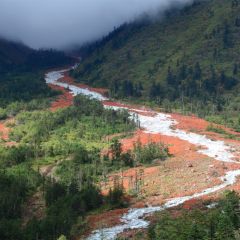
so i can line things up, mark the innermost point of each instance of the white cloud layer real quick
(59, 23)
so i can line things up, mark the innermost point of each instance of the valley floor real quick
(192, 169)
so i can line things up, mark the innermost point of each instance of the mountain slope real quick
(21, 67)
(192, 53)
(16, 56)
(12, 54)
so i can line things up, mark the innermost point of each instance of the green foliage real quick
(74, 137)
(15, 186)
(65, 204)
(3, 114)
(23, 87)
(17, 57)
(189, 60)
(220, 130)
(65, 132)
(62, 237)
(141, 154)
(115, 196)
(21, 71)
(15, 155)
(148, 153)
(215, 224)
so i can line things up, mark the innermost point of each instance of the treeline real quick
(12, 109)
(18, 58)
(193, 82)
(23, 87)
(22, 71)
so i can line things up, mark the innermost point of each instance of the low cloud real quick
(61, 23)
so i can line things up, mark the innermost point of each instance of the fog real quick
(62, 23)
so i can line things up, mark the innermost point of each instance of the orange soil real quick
(193, 123)
(190, 123)
(134, 108)
(186, 173)
(64, 100)
(4, 131)
(70, 80)
(106, 219)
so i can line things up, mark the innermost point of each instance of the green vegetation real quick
(71, 139)
(16, 57)
(152, 151)
(22, 70)
(19, 87)
(188, 61)
(213, 224)
(220, 130)
(141, 154)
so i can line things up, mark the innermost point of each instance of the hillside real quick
(12, 53)
(85, 167)
(192, 54)
(15, 56)
(21, 71)
(141, 140)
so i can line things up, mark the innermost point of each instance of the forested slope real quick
(21, 71)
(190, 55)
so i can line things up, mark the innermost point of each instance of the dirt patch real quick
(186, 173)
(4, 131)
(69, 80)
(194, 124)
(34, 208)
(103, 220)
(62, 101)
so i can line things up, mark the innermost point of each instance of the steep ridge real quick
(153, 123)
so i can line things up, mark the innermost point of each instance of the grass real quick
(220, 130)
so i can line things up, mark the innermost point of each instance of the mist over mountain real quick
(61, 23)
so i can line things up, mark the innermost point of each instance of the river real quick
(155, 122)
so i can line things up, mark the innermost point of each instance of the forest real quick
(55, 162)
(72, 138)
(199, 73)
(22, 70)
(217, 223)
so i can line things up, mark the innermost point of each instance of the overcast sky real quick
(60, 23)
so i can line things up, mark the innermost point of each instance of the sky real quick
(62, 23)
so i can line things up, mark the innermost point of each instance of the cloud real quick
(60, 23)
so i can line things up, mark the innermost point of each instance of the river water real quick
(158, 123)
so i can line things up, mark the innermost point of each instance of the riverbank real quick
(203, 164)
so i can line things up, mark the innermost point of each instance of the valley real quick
(202, 165)
(120, 120)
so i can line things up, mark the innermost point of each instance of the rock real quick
(190, 165)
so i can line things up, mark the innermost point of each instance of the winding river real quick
(163, 124)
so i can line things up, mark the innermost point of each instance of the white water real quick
(53, 77)
(163, 124)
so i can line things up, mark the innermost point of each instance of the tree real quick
(227, 36)
(235, 69)
(197, 74)
(170, 77)
(116, 150)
